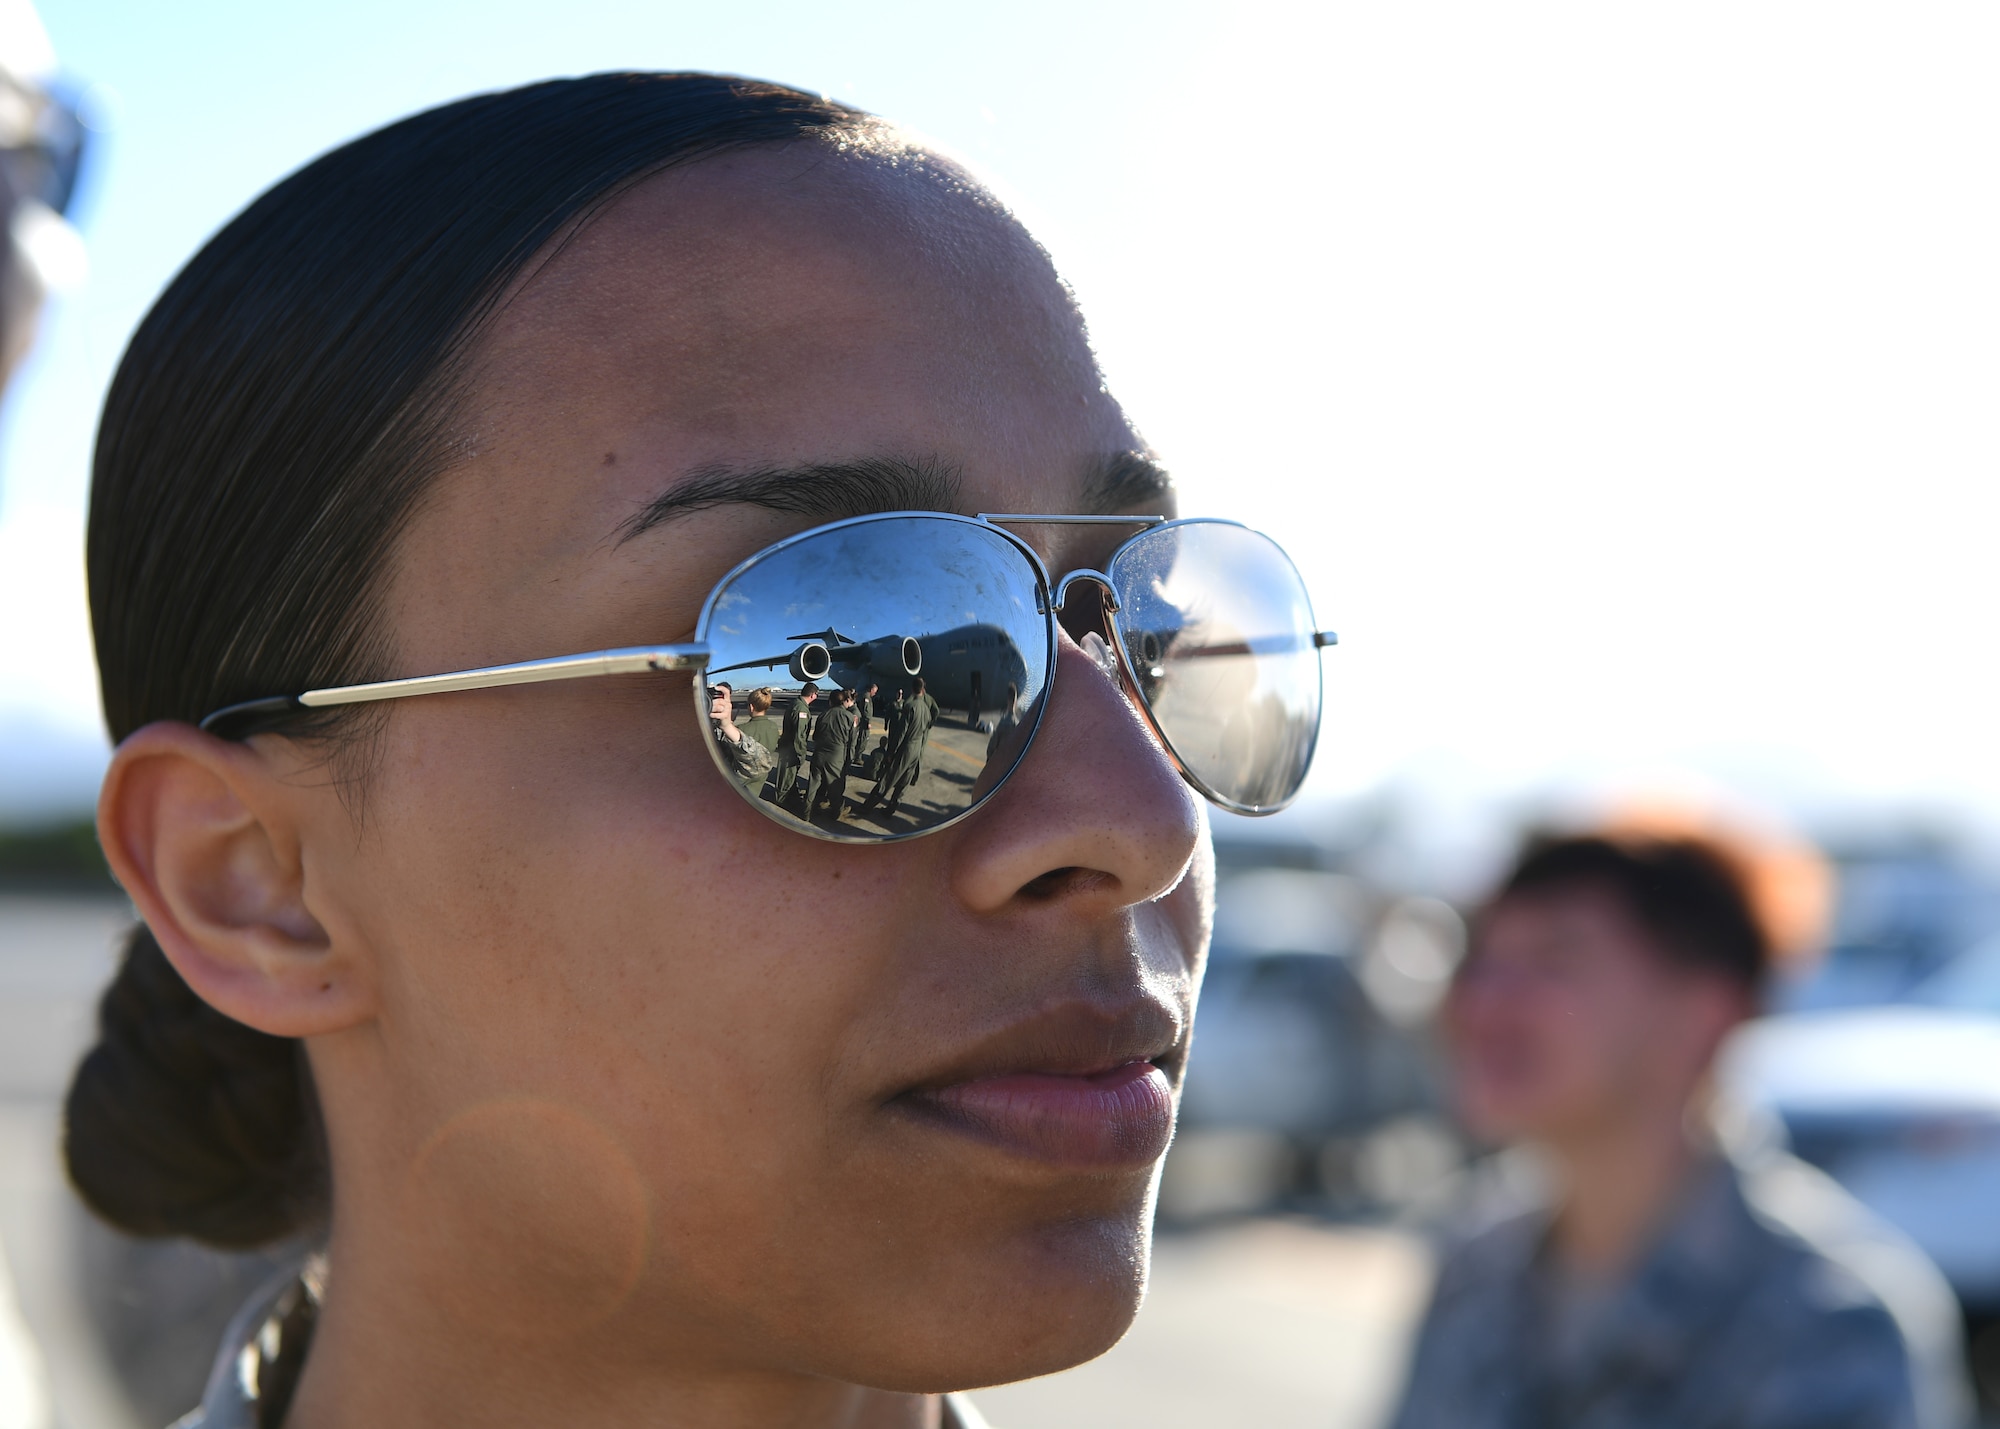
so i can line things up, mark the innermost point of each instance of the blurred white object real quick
(42, 140)
(1288, 910)
(24, 1389)
(24, 44)
(48, 247)
(1901, 1105)
(46, 257)
(1408, 963)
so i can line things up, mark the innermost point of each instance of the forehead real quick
(782, 307)
(1578, 918)
(772, 310)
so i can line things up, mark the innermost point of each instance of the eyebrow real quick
(829, 491)
(834, 491)
(1126, 481)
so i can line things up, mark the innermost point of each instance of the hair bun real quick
(184, 1122)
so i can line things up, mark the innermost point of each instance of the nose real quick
(1096, 814)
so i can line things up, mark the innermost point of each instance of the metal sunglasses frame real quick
(1050, 597)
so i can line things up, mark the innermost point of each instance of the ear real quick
(205, 836)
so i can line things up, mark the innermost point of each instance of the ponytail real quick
(184, 1122)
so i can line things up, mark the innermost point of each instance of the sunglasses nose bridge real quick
(1097, 578)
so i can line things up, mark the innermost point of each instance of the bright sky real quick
(1623, 378)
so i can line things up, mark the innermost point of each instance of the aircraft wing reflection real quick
(969, 667)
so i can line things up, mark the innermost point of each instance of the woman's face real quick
(647, 1072)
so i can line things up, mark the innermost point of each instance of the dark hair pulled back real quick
(267, 435)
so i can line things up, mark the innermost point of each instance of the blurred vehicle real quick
(1310, 1080)
(1908, 905)
(1970, 982)
(1900, 1103)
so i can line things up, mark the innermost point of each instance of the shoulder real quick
(1489, 1258)
(1838, 1252)
(1464, 1367)
(1875, 1311)
(1495, 1224)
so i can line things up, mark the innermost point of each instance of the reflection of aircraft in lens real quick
(1240, 708)
(1151, 646)
(965, 668)
(827, 656)
(969, 668)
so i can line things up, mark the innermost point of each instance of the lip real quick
(1084, 1085)
(1116, 1119)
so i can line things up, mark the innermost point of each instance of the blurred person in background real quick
(41, 145)
(1671, 1280)
(41, 149)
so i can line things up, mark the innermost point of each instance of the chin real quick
(1048, 1302)
(1497, 1119)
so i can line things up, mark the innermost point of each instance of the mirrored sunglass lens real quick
(1219, 637)
(885, 676)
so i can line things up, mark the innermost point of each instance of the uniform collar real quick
(1703, 1259)
(265, 1346)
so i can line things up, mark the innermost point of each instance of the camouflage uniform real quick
(1770, 1301)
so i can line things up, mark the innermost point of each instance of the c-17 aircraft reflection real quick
(967, 668)
(828, 655)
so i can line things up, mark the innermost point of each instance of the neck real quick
(1620, 1184)
(378, 1357)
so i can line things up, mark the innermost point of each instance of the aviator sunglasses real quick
(951, 621)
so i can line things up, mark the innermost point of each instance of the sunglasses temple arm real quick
(1324, 638)
(634, 660)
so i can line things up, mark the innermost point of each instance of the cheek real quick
(1528, 1045)
(585, 908)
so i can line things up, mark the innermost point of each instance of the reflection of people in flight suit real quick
(832, 742)
(760, 726)
(1004, 727)
(903, 757)
(892, 724)
(794, 740)
(864, 712)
